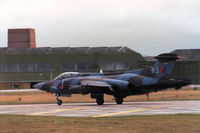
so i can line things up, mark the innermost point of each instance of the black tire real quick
(99, 101)
(119, 100)
(59, 102)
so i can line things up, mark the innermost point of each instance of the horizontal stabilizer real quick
(167, 57)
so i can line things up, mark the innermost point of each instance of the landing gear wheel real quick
(59, 102)
(99, 101)
(119, 100)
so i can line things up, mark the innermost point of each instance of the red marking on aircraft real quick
(162, 69)
(61, 87)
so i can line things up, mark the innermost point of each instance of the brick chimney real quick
(21, 38)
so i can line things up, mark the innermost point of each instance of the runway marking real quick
(125, 112)
(58, 110)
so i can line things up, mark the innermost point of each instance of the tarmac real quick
(106, 110)
(20, 90)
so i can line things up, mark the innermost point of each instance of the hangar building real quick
(37, 64)
(188, 66)
(22, 64)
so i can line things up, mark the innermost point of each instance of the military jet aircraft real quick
(119, 85)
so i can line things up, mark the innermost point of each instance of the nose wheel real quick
(59, 102)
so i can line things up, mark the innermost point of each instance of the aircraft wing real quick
(93, 83)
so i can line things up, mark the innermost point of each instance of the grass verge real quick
(184, 123)
(43, 97)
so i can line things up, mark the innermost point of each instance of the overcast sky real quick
(146, 26)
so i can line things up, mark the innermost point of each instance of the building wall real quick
(188, 66)
(188, 70)
(18, 67)
(12, 85)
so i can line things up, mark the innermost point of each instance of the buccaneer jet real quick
(119, 85)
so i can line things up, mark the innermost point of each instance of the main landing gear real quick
(59, 102)
(99, 98)
(119, 100)
(99, 101)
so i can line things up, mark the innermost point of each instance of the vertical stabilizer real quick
(164, 65)
(161, 69)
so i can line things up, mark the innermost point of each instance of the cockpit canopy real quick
(67, 75)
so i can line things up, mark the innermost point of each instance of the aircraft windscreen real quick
(67, 75)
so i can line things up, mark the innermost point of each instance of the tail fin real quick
(164, 65)
(162, 68)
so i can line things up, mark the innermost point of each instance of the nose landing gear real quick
(59, 102)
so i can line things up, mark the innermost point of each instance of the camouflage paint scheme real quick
(120, 85)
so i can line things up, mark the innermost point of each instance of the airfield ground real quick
(185, 123)
(14, 118)
(43, 97)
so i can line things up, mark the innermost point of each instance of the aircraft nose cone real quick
(38, 86)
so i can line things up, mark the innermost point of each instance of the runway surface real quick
(106, 110)
(20, 90)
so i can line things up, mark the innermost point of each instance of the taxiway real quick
(106, 110)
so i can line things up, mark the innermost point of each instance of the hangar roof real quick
(188, 54)
(67, 50)
(185, 55)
